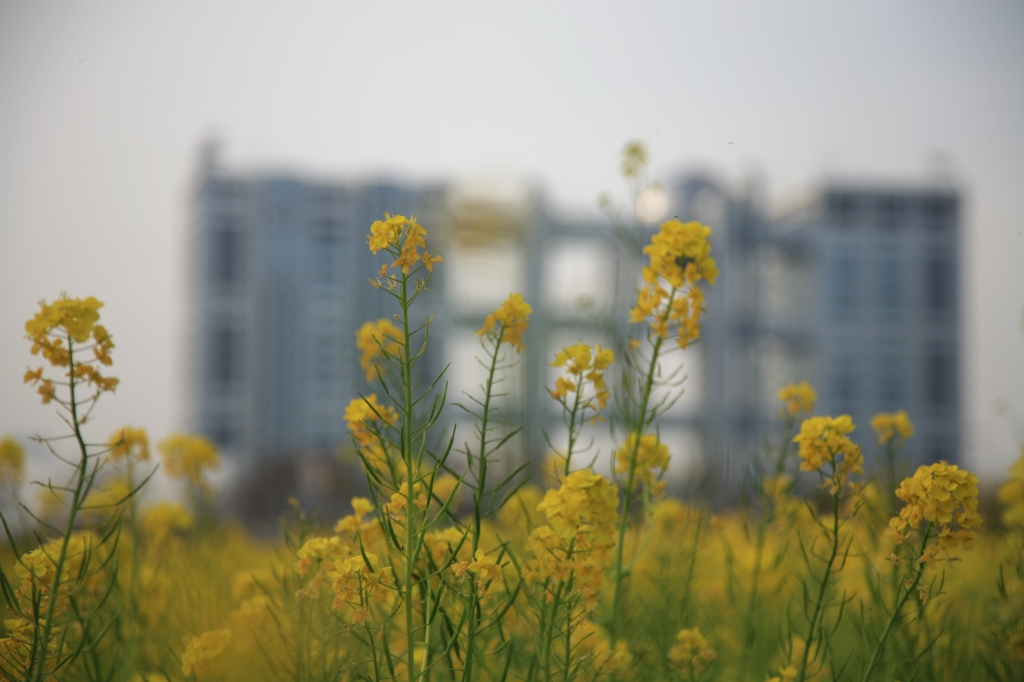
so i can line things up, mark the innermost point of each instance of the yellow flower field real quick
(828, 570)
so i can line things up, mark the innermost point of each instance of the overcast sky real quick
(103, 104)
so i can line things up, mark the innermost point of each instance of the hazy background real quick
(103, 105)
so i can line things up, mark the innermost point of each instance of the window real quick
(843, 281)
(842, 209)
(939, 288)
(326, 359)
(891, 391)
(938, 379)
(938, 212)
(222, 432)
(892, 212)
(225, 359)
(326, 259)
(891, 281)
(844, 386)
(226, 257)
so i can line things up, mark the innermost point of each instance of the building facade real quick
(275, 262)
(857, 292)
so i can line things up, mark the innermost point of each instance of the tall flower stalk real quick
(669, 305)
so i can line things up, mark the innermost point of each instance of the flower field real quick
(835, 566)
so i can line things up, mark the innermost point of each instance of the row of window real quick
(849, 383)
(848, 290)
(892, 212)
(225, 364)
(228, 255)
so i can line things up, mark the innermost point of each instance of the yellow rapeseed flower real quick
(189, 456)
(201, 650)
(680, 255)
(583, 363)
(798, 398)
(889, 425)
(510, 321)
(692, 653)
(1011, 494)
(824, 440)
(374, 340)
(652, 456)
(12, 462)
(403, 238)
(64, 321)
(129, 442)
(940, 495)
(585, 503)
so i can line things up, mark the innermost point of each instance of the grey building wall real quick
(856, 292)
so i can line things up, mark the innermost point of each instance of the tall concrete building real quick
(279, 270)
(856, 291)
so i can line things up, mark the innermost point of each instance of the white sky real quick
(102, 106)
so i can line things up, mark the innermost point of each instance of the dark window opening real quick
(224, 356)
(842, 208)
(891, 393)
(938, 212)
(891, 278)
(892, 212)
(938, 285)
(226, 254)
(843, 280)
(938, 375)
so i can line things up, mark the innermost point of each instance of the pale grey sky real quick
(102, 105)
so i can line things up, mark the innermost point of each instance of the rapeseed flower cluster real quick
(650, 460)
(890, 426)
(692, 653)
(583, 364)
(129, 443)
(358, 580)
(945, 497)
(581, 533)
(403, 238)
(375, 340)
(201, 652)
(798, 398)
(53, 330)
(364, 417)
(1011, 494)
(12, 462)
(680, 255)
(824, 440)
(509, 322)
(190, 457)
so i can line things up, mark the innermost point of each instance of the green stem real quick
(642, 423)
(768, 515)
(478, 503)
(83, 472)
(407, 456)
(574, 430)
(880, 648)
(819, 604)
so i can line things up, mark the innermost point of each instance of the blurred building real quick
(855, 291)
(275, 261)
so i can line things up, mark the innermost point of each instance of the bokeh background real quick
(103, 107)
